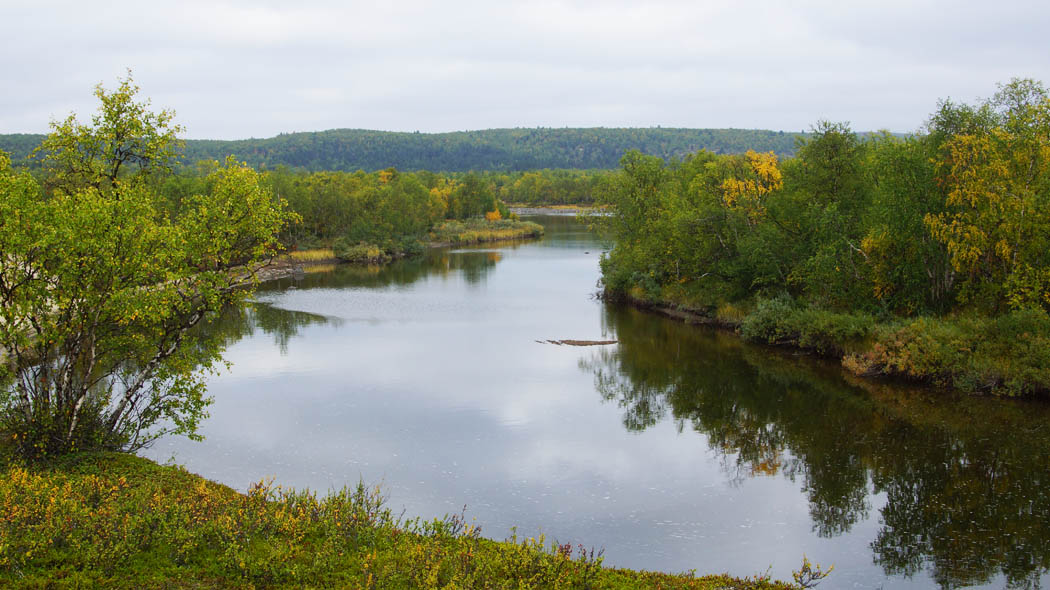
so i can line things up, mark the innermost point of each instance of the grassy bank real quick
(448, 233)
(119, 521)
(312, 256)
(1006, 355)
(473, 231)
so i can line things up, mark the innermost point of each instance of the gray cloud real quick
(239, 69)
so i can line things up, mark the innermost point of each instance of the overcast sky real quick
(256, 68)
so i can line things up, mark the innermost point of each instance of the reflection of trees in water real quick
(283, 325)
(475, 265)
(245, 321)
(969, 498)
(704, 380)
(965, 479)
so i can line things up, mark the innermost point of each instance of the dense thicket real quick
(387, 209)
(547, 187)
(492, 149)
(955, 221)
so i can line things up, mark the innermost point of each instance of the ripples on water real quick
(676, 449)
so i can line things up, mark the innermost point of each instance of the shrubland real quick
(925, 256)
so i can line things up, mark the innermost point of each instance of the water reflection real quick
(965, 480)
(697, 451)
(237, 323)
(474, 265)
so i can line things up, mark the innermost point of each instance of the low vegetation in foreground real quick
(114, 520)
(925, 256)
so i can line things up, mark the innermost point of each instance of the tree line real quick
(504, 150)
(850, 233)
(391, 210)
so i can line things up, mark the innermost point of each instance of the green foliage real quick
(99, 286)
(471, 198)
(390, 210)
(996, 226)
(684, 230)
(851, 229)
(123, 522)
(375, 217)
(547, 187)
(504, 150)
(361, 253)
(908, 269)
(833, 192)
(124, 138)
(1006, 355)
(473, 231)
(779, 321)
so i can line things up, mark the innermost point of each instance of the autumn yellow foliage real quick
(761, 177)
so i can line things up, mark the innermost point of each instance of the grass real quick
(119, 521)
(1007, 355)
(313, 255)
(473, 231)
(560, 207)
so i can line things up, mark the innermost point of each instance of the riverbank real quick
(476, 231)
(120, 521)
(445, 235)
(1007, 355)
(526, 209)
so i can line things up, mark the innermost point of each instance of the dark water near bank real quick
(678, 448)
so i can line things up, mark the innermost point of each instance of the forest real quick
(505, 150)
(925, 256)
(388, 213)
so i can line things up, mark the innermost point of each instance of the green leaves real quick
(124, 139)
(958, 216)
(100, 287)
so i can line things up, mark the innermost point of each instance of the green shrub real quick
(768, 322)
(831, 332)
(360, 253)
(779, 321)
(1007, 355)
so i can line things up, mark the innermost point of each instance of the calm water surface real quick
(677, 448)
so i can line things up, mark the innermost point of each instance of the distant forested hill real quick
(19, 144)
(492, 149)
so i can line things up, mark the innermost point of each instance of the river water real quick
(678, 448)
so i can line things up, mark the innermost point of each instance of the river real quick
(678, 448)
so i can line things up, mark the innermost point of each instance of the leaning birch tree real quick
(101, 289)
